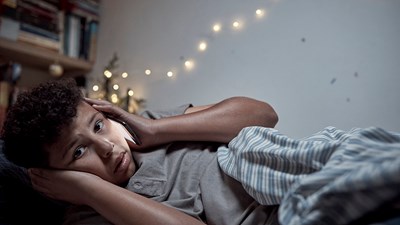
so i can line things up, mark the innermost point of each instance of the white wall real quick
(318, 62)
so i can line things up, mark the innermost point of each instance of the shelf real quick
(39, 57)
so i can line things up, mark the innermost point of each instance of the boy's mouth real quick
(122, 163)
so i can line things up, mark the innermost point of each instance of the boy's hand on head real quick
(64, 185)
(109, 109)
(145, 129)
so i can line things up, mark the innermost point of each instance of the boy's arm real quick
(116, 204)
(219, 122)
(122, 206)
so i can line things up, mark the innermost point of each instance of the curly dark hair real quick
(36, 119)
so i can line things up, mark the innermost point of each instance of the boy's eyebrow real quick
(93, 117)
(69, 146)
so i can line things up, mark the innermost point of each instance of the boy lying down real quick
(183, 171)
(77, 155)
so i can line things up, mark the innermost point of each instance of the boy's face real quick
(93, 144)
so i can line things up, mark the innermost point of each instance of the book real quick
(80, 30)
(38, 40)
(92, 46)
(89, 6)
(37, 10)
(83, 43)
(9, 28)
(42, 4)
(10, 3)
(72, 33)
(61, 22)
(42, 19)
(55, 3)
(39, 31)
(8, 8)
(84, 13)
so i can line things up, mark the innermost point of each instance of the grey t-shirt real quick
(186, 176)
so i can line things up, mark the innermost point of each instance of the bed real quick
(19, 204)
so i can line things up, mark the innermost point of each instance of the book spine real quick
(66, 34)
(37, 40)
(10, 3)
(83, 13)
(83, 34)
(39, 31)
(42, 4)
(9, 9)
(92, 47)
(87, 6)
(38, 11)
(61, 22)
(50, 25)
(72, 40)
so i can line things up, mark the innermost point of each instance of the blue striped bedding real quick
(331, 177)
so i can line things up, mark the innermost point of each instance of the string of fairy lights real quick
(188, 64)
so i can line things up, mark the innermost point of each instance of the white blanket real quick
(331, 177)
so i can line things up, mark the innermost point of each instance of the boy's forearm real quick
(121, 206)
(220, 122)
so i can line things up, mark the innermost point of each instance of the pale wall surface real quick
(318, 62)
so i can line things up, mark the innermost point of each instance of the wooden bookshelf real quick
(39, 57)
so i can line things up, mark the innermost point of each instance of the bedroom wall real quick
(318, 62)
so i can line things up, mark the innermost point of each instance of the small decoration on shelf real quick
(56, 69)
(109, 88)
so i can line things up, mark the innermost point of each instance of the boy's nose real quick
(104, 148)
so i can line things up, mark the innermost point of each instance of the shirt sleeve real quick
(158, 114)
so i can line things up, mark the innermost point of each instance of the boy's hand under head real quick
(63, 185)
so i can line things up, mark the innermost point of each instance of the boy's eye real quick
(98, 125)
(79, 151)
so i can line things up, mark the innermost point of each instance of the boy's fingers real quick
(97, 101)
(109, 109)
(38, 173)
(33, 171)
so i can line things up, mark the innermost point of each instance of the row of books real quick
(81, 28)
(80, 37)
(66, 26)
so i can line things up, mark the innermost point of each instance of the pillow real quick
(19, 203)
(9, 170)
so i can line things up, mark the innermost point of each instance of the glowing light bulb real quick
(95, 88)
(189, 64)
(114, 98)
(202, 46)
(260, 13)
(124, 75)
(115, 86)
(236, 24)
(217, 27)
(130, 93)
(170, 74)
(147, 72)
(107, 73)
